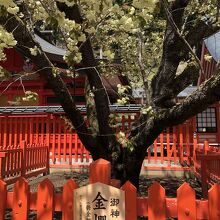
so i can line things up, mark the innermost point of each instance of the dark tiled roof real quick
(59, 109)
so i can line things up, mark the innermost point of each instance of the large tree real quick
(151, 39)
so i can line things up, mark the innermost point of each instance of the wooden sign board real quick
(99, 202)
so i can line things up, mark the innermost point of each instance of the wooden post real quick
(206, 146)
(70, 147)
(100, 171)
(161, 149)
(214, 201)
(130, 201)
(195, 144)
(45, 200)
(5, 132)
(59, 140)
(2, 165)
(169, 152)
(181, 143)
(174, 145)
(3, 200)
(156, 202)
(23, 158)
(186, 205)
(54, 140)
(20, 200)
(188, 145)
(47, 160)
(155, 150)
(68, 200)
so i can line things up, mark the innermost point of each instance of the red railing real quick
(207, 165)
(23, 160)
(156, 206)
(172, 146)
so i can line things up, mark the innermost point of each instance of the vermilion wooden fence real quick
(156, 206)
(206, 165)
(23, 160)
(173, 146)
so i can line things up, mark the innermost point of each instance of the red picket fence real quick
(66, 150)
(173, 148)
(207, 165)
(23, 160)
(156, 206)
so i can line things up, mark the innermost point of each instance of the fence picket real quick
(25, 160)
(156, 202)
(20, 200)
(214, 201)
(100, 171)
(156, 206)
(130, 201)
(3, 193)
(45, 200)
(186, 202)
(68, 200)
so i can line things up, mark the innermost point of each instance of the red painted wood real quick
(130, 201)
(156, 202)
(5, 143)
(161, 148)
(181, 143)
(182, 206)
(214, 201)
(59, 142)
(68, 200)
(16, 161)
(24, 156)
(100, 171)
(48, 126)
(206, 147)
(70, 148)
(149, 154)
(65, 144)
(26, 129)
(42, 122)
(142, 206)
(76, 147)
(155, 150)
(10, 131)
(3, 193)
(187, 144)
(186, 205)
(45, 200)
(53, 141)
(20, 200)
(174, 145)
(169, 152)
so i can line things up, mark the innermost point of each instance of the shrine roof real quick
(59, 109)
(49, 48)
(213, 45)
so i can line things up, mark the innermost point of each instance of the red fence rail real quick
(23, 160)
(173, 145)
(156, 206)
(206, 162)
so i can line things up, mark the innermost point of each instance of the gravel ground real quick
(81, 178)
